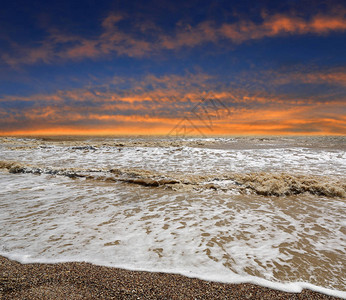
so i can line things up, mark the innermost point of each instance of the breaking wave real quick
(260, 183)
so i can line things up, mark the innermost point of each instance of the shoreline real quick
(81, 280)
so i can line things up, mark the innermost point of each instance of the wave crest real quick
(261, 183)
(279, 184)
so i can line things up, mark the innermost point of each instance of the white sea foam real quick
(287, 243)
(185, 159)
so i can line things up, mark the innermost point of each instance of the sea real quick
(264, 210)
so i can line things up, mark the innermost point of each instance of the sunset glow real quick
(143, 69)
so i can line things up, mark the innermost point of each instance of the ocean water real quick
(270, 211)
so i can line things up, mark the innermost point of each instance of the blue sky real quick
(138, 67)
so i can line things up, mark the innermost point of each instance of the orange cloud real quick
(333, 76)
(248, 116)
(277, 25)
(170, 100)
(112, 39)
(134, 125)
(337, 77)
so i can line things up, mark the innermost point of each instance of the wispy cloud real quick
(148, 39)
(335, 76)
(281, 25)
(158, 103)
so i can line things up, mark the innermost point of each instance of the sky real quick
(159, 67)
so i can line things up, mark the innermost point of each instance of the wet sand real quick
(87, 281)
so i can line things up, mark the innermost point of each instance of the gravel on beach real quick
(75, 280)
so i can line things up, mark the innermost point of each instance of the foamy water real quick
(268, 211)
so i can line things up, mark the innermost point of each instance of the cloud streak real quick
(145, 40)
(154, 105)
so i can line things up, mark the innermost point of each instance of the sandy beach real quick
(87, 281)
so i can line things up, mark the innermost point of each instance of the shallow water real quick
(264, 210)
